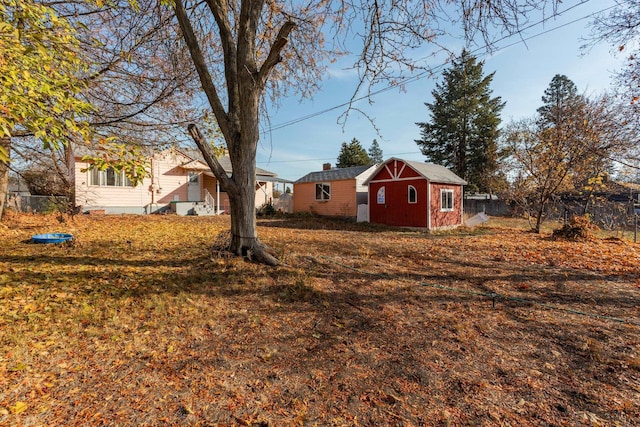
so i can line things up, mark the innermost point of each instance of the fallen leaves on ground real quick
(139, 322)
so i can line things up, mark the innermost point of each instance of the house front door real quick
(193, 188)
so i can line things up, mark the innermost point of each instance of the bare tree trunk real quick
(244, 236)
(5, 143)
(540, 215)
(241, 191)
(536, 228)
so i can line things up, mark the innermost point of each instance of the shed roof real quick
(430, 171)
(334, 174)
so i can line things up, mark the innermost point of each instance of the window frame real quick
(103, 177)
(411, 188)
(450, 193)
(325, 188)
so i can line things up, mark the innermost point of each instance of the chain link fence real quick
(37, 204)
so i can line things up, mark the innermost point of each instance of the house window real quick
(194, 177)
(413, 194)
(108, 177)
(380, 196)
(323, 191)
(446, 200)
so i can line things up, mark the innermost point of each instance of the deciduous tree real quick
(620, 27)
(40, 71)
(462, 133)
(566, 147)
(138, 78)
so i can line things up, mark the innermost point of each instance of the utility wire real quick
(441, 66)
(332, 158)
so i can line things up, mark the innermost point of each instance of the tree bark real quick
(539, 214)
(5, 142)
(244, 236)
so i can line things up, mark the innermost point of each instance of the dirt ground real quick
(139, 322)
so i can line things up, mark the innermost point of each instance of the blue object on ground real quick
(51, 238)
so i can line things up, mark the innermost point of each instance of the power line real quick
(437, 68)
(328, 158)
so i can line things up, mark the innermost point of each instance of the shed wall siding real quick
(342, 202)
(396, 177)
(441, 219)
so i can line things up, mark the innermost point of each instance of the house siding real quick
(169, 182)
(341, 203)
(170, 179)
(209, 184)
(264, 193)
(110, 199)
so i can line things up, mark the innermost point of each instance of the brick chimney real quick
(326, 166)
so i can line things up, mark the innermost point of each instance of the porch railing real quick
(208, 199)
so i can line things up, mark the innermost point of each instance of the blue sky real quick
(523, 72)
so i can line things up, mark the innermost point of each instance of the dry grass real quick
(140, 323)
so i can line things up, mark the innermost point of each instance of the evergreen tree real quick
(375, 152)
(561, 103)
(463, 131)
(352, 154)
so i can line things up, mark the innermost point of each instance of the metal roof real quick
(430, 171)
(334, 174)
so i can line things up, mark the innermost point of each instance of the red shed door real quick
(394, 205)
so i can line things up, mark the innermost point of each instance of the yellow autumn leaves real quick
(40, 75)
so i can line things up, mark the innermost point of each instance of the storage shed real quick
(413, 194)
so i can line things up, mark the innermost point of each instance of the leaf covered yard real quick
(140, 322)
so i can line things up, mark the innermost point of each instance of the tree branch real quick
(250, 11)
(274, 54)
(211, 160)
(203, 71)
(220, 11)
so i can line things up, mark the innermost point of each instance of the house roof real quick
(197, 161)
(91, 149)
(334, 174)
(224, 161)
(430, 171)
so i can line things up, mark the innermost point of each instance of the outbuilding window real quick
(380, 196)
(413, 194)
(446, 200)
(323, 191)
